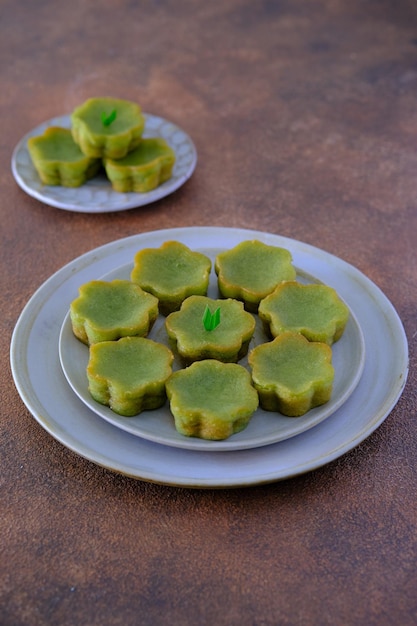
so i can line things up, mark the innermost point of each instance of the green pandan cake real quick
(315, 311)
(291, 374)
(143, 169)
(106, 311)
(129, 375)
(252, 270)
(171, 273)
(59, 160)
(107, 127)
(211, 400)
(193, 338)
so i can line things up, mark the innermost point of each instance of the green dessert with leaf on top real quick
(314, 310)
(210, 329)
(143, 169)
(107, 127)
(291, 374)
(251, 270)
(211, 400)
(104, 132)
(106, 311)
(58, 160)
(129, 375)
(171, 273)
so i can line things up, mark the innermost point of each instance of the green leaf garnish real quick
(211, 320)
(108, 119)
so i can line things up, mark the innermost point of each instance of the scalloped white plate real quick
(264, 428)
(97, 195)
(45, 391)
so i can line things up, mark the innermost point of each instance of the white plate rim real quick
(97, 195)
(264, 428)
(77, 428)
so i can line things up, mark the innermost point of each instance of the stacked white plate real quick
(48, 365)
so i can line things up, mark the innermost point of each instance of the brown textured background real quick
(304, 114)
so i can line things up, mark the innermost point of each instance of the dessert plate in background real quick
(264, 428)
(45, 391)
(97, 195)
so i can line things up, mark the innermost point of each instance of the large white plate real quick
(46, 393)
(97, 195)
(264, 428)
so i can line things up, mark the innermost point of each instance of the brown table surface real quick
(305, 120)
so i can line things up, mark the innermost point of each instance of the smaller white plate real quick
(264, 428)
(97, 195)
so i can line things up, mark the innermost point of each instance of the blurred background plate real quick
(97, 195)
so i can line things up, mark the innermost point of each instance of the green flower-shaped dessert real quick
(195, 341)
(143, 169)
(171, 273)
(59, 161)
(107, 127)
(251, 270)
(106, 311)
(315, 311)
(129, 375)
(211, 400)
(291, 374)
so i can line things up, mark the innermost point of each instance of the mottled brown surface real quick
(304, 114)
